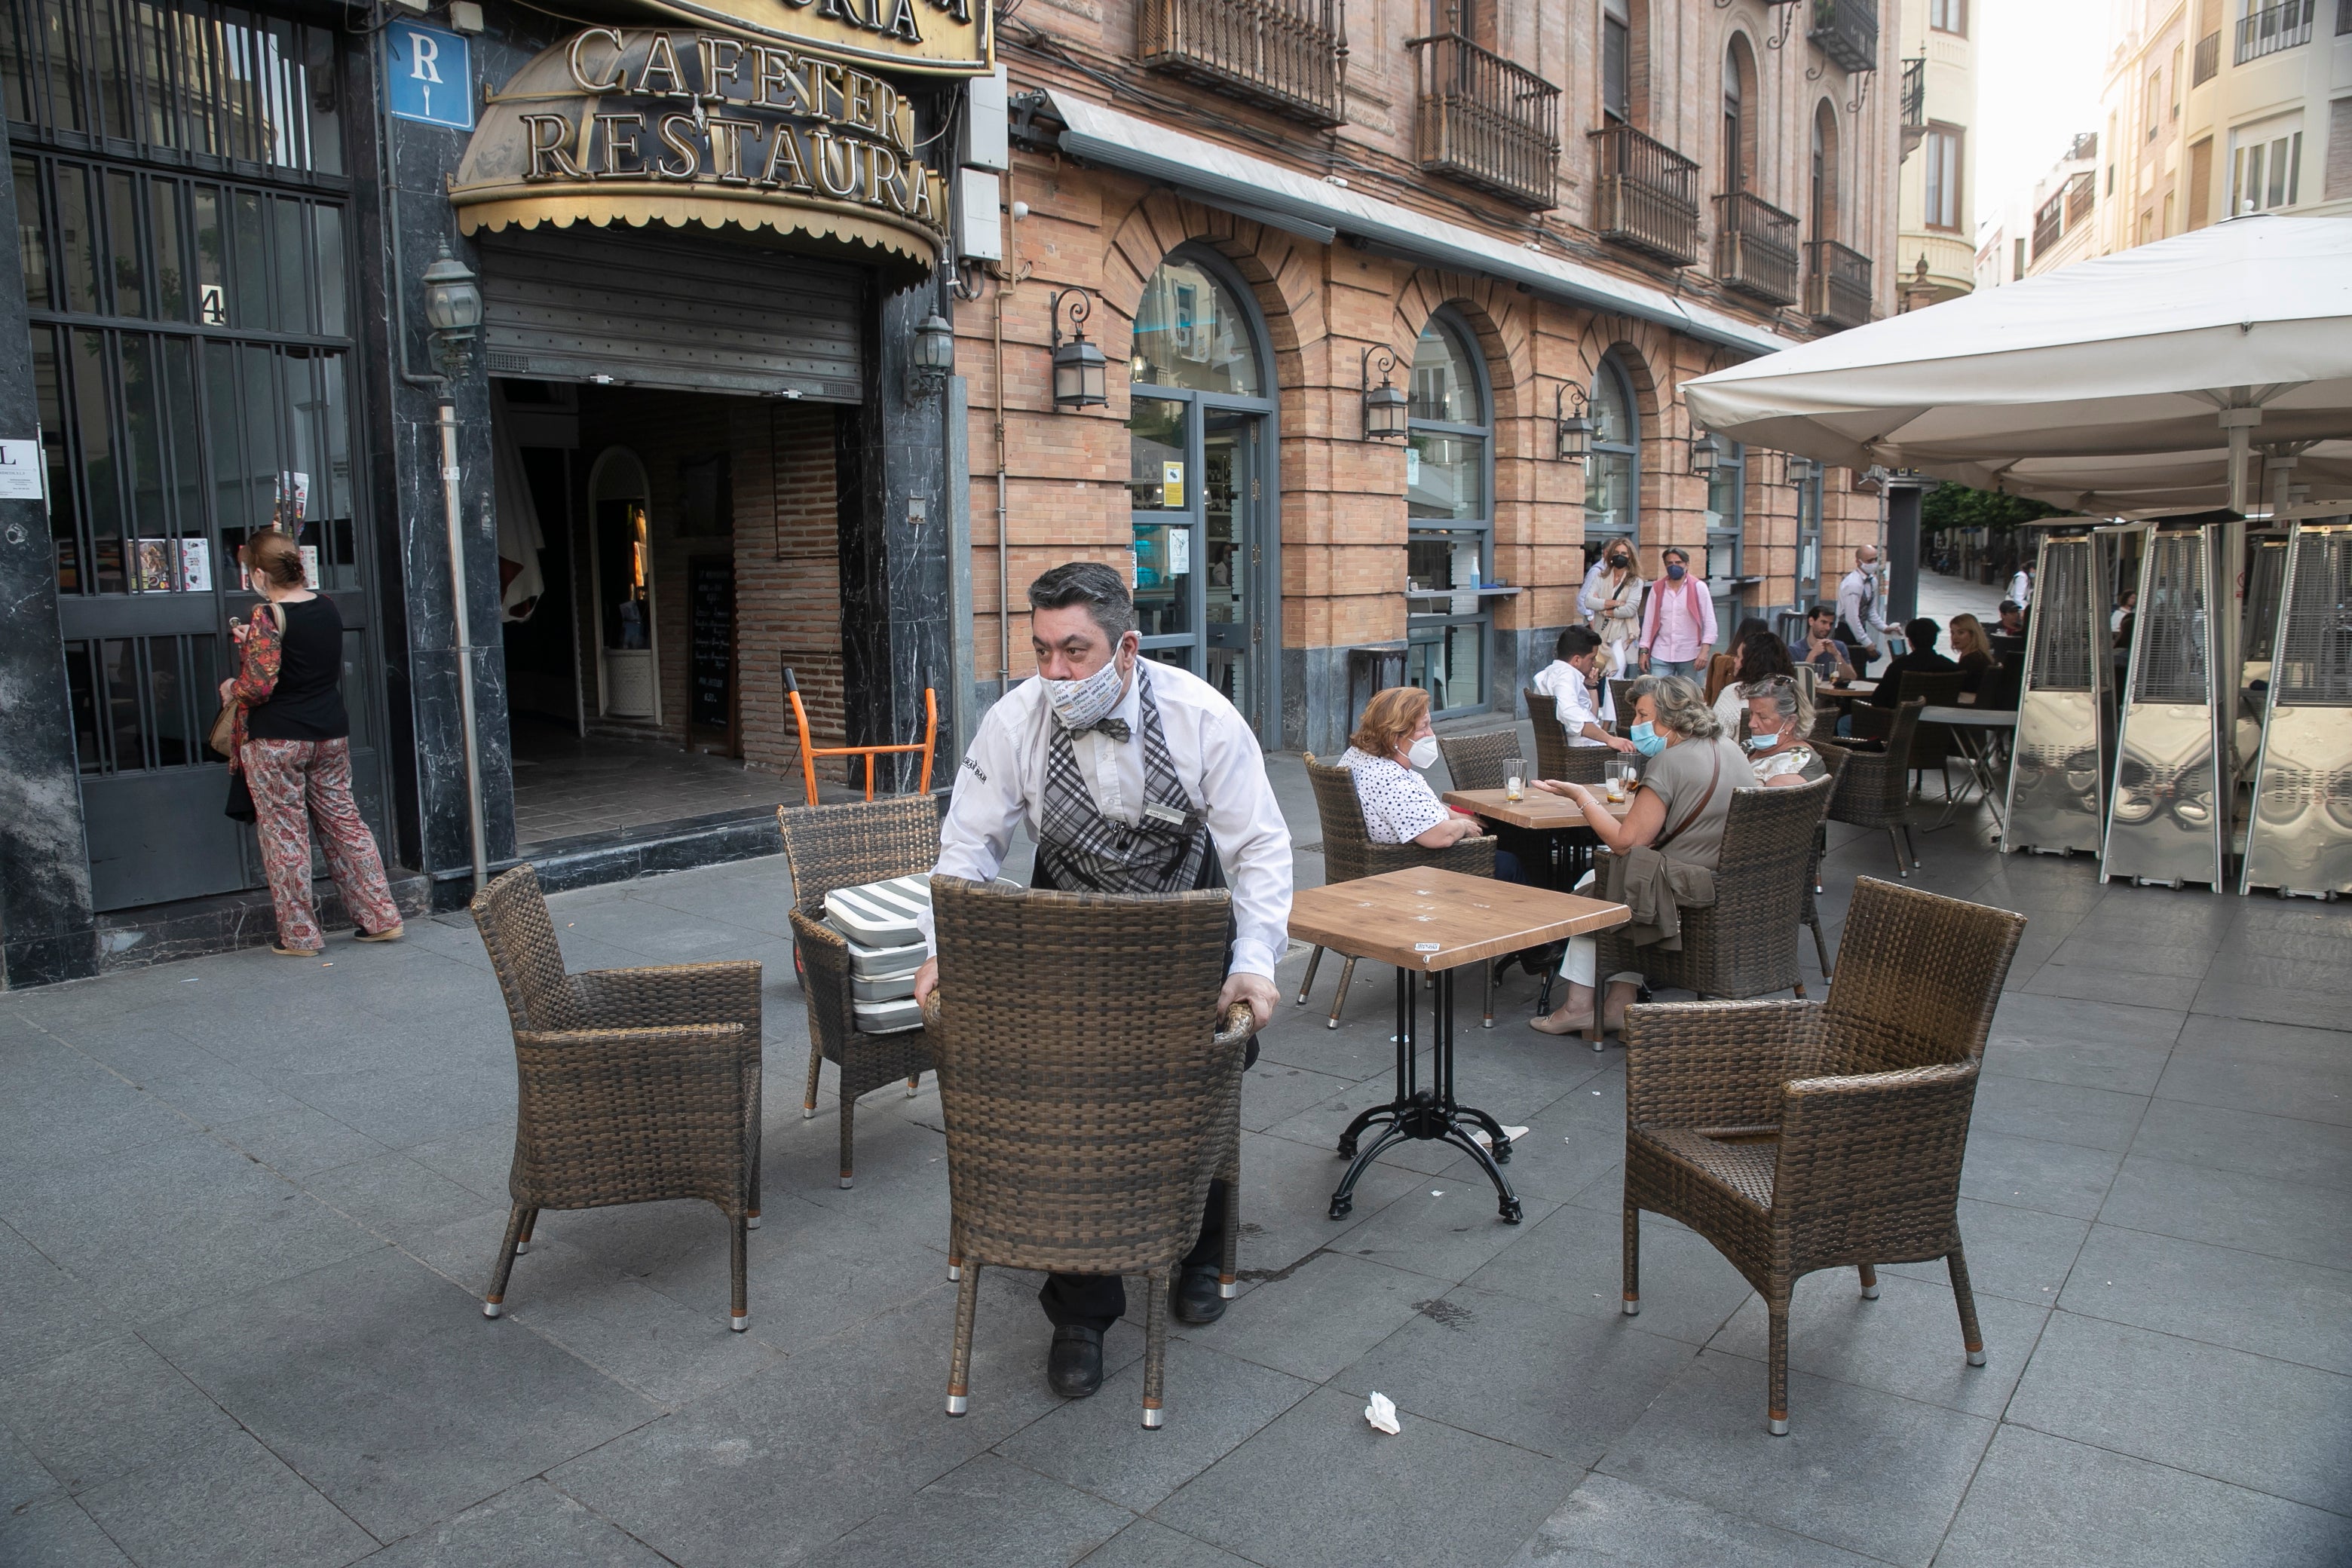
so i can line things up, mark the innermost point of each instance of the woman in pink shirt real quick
(1679, 621)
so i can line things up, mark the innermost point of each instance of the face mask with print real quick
(1082, 703)
(1423, 752)
(1646, 739)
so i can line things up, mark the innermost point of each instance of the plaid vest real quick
(1081, 850)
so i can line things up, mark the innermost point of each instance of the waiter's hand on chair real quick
(927, 980)
(1255, 989)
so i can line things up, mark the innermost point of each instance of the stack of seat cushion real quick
(886, 949)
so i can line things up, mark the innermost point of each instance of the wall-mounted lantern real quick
(1801, 470)
(452, 308)
(1079, 365)
(1575, 429)
(1705, 449)
(1384, 405)
(933, 360)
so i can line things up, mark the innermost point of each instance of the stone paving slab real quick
(247, 1205)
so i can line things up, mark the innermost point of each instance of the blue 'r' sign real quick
(430, 76)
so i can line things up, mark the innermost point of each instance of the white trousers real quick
(1577, 965)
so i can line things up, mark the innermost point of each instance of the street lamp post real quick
(453, 307)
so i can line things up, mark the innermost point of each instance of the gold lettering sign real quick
(648, 125)
(950, 37)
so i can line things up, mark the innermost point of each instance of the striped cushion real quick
(881, 914)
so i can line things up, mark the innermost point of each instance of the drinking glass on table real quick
(1619, 781)
(1515, 778)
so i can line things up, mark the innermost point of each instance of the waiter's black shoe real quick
(1074, 1366)
(1198, 1298)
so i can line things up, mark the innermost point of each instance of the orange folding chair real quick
(810, 753)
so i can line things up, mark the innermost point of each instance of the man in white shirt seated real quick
(1579, 668)
(1131, 777)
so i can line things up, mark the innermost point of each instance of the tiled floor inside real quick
(246, 1206)
(565, 786)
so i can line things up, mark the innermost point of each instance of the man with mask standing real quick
(1678, 624)
(1131, 777)
(1860, 615)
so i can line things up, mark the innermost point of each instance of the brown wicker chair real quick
(1480, 761)
(632, 1085)
(834, 847)
(1931, 744)
(1874, 789)
(1348, 853)
(1556, 757)
(1089, 1096)
(1745, 943)
(1798, 1136)
(1621, 703)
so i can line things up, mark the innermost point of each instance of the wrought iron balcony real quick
(1285, 55)
(2209, 60)
(1837, 285)
(2273, 28)
(1756, 247)
(1846, 31)
(1915, 104)
(1641, 195)
(1486, 123)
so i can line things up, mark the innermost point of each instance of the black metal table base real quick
(1429, 1114)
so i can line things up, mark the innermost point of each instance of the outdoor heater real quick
(2299, 830)
(2168, 818)
(2057, 775)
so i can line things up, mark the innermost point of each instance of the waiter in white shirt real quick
(1131, 777)
(1861, 615)
(2020, 587)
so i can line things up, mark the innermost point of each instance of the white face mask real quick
(1423, 753)
(1085, 702)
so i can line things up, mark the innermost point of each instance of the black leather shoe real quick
(1197, 1297)
(1074, 1366)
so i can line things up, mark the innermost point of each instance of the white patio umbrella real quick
(2119, 385)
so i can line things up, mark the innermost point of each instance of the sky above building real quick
(2039, 67)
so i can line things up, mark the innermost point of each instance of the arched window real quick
(1612, 474)
(1200, 432)
(1726, 529)
(1740, 115)
(1822, 197)
(1449, 513)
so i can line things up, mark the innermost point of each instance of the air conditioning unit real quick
(2299, 830)
(2058, 768)
(2169, 816)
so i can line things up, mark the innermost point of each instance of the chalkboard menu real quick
(710, 671)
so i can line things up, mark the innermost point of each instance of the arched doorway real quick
(1202, 487)
(1450, 518)
(628, 685)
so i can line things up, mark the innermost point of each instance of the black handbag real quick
(240, 807)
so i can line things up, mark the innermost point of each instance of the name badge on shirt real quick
(1167, 813)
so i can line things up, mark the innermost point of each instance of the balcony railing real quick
(1286, 54)
(2082, 192)
(2209, 60)
(1847, 31)
(1486, 123)
(2049, 224)
(1641, 195)
(1837, 284)
(1915, 104)
(2273, 28)
(1756, 247)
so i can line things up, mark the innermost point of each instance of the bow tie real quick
(1116, 728)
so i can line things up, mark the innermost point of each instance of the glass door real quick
(1230, 490)
(1160, 467)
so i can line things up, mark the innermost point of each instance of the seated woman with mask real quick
(1665, 848)
(1780, 718)
(1392, 741)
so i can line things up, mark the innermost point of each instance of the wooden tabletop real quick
(1431, 920)
(1540, 809)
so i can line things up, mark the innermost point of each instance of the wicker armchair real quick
(1931, 744)
(1349, 853)
(632, 1085)
(1745, 943)
(1620, 702)
(1480, 761)
(1089, 1097)
(1556, 757)
(1833, 759)
(830, 848)
(1798, 1136)
(1874, 789)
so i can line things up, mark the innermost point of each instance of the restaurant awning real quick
(1289, 198)
(2117, 385)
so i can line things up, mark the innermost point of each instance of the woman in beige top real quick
(1612, 603)
(1679, 810)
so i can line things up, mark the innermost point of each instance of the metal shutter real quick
(686, 312)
